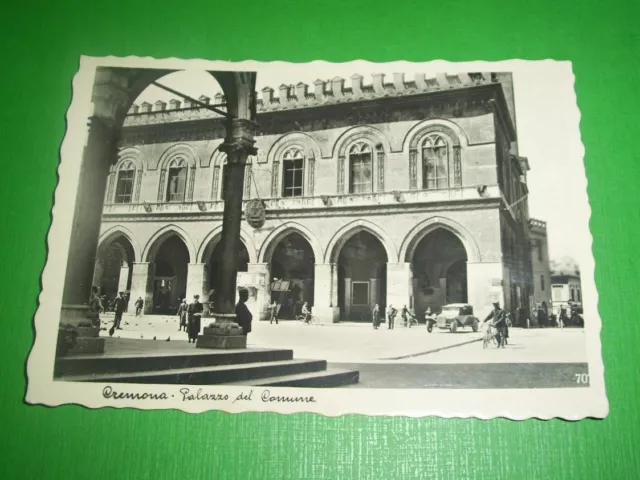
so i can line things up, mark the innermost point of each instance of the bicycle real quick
(492, 335)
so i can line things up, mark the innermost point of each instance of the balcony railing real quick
(354, 200)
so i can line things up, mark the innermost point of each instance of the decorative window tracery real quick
(435, 162)
(125, 182)
(293, 173)
(176, 180)
(360, 168)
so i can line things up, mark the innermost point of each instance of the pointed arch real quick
(183, 150)
(345, 233)
(161, 235)
(308, 144)
(421, 230)
(273, 239)
(132, 154)
(111, 234)
(215, 234)
(361, 132)
(452, 130)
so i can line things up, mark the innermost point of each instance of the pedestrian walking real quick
(194, 312)
(183, 315)
(274, 309)
(118, 308)
(391, 315)
(376, 316)
(139, 306)
(243, 315)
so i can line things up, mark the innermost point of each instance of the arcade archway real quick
(113, 269)
(362, 276)
(169, 262)
(292, 272)
(439, 264)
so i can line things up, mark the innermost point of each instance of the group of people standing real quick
(190, 315)
(408, 318)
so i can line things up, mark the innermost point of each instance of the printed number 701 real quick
(581, 377)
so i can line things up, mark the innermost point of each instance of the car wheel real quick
(474, 326)
(454, 326)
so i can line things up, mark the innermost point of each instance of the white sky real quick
(546, 123)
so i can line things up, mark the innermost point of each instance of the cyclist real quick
(499, 323)
(306, 313)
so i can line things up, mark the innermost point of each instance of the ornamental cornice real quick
(386, 110)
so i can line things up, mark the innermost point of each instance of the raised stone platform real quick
(148, 361)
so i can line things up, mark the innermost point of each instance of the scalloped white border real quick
(517, 404)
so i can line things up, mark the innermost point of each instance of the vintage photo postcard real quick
(381, 239)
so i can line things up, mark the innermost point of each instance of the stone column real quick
(110, 100)
(197, 282)
(76, 314)
(324, 309)
(141, 285)
(123, 280)
(260, 272)
(399, 281)
(484, 286)
(98, 271)
(238, 145)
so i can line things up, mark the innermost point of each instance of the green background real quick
(41, 45)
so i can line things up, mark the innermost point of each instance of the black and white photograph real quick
(339, 238)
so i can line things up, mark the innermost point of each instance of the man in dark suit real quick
(118, 308)
(243, 315)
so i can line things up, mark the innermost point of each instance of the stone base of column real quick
(325, 315)
(224, 334)
(79, 331)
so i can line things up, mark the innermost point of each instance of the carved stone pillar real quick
(112, 180)
(161, 189)
(275, 170)
(214, 184)
(123, 280)
(399, 283)
(311, 178)
(192, 181)
(380, 158)
(457, 167)
(136, 197)
(340, 187)
(197, 282)
(142, 284)
(247, 181)
(413, 169)
(225, 333)
(323, 309)
(98, 271)
(99, 154)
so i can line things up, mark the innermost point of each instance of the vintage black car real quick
(456, 315)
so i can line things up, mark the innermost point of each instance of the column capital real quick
(239, 142)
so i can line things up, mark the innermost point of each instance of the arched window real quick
(360, 168)
(435, 162)
(124, 184)
(177, 180)
(293, 173)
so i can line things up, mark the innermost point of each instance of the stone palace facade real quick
(404, 192)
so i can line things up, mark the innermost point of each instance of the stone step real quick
(332, 377)
(154, 361)
(210, 375)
